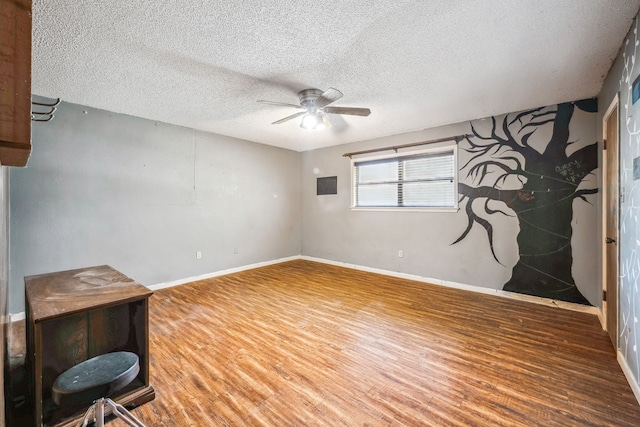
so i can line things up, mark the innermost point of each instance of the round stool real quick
(94, 381)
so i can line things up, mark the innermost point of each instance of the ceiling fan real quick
(315, 104)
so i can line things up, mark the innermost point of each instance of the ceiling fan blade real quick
(351, 111)
(282, 104)
(328, 96)
(286, 119)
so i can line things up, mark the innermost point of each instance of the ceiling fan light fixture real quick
(312, 121)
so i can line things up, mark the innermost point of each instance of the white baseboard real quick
(499, 292)
(629, 374)
(220, 273)
(603, 321)
(15, 317)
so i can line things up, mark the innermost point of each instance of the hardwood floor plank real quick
(303, 343)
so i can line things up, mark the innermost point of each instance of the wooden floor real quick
(307, 344)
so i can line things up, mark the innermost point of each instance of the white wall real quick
(143, 197)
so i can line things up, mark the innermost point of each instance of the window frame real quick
(449, 148)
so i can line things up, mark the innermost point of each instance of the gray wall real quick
(143, 197)
(620, 78)
(330, 230)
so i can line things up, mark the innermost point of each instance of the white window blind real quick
(423, 180)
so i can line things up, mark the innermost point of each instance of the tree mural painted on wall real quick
(536, 182)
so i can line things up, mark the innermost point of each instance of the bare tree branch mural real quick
(510, 172)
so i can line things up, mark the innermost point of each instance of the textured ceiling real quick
(416, 64)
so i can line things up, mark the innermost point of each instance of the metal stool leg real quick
(122, 413)
(99, 405)
(87, 416)
(98, 411)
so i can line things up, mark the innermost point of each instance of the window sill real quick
(390, 209)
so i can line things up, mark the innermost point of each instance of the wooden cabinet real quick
(78, 314)
(15, 82)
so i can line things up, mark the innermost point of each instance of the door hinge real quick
(604, 295)
(604, 144)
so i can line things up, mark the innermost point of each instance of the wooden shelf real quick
(15, 82)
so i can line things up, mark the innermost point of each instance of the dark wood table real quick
(75, 315)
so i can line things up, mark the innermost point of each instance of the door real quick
(610, 129)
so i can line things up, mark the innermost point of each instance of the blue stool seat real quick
(94, 381)
(97, 377)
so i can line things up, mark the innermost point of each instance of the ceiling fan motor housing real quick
(309, 96)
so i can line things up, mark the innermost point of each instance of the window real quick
(420, 180)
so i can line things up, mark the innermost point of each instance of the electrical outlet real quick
(198, 255)
(235, 251)
(400, 254)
